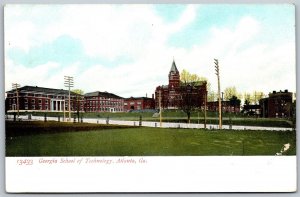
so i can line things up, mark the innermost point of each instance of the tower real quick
(174, 76)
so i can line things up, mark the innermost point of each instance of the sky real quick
(128, 50)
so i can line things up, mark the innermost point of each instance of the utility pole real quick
(205, 103)
(160, 112)
(219, 92)
(69, 83)
(16, 86)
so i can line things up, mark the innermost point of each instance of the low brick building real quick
(34, 98)
(139, 103)
(277, 105)
(213, 106)
(103, 102)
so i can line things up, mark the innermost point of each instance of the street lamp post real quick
(219, 92)
(16, 86)
(69, 83)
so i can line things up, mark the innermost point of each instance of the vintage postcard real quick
(150, 98)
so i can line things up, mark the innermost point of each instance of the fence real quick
(146, 123)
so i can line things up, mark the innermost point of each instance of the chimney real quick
(274, 92)
(153, 96)
(146, 95)
(286, 91)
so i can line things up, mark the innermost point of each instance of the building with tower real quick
(173, 95)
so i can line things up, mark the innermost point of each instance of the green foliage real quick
(229, 92)
(192, 79)
(78, 91)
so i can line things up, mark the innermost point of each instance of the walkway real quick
(156, 124)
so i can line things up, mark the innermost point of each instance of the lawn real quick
(103, 140)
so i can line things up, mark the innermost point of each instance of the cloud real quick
(37, 76)
(125, 50)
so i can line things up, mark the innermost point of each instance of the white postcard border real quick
(151, 174)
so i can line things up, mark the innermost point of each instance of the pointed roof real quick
(174, 68)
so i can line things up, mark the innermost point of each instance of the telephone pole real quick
(205, 106)
(69, 83)
(219, 92)
(160, 112)
(16, 86)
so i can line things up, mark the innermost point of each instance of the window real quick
(40, 101)
(26, 106)
(32, 101)
(139, 102)
(25, 100)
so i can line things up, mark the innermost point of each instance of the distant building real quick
(277, 105)
(213, 106)
(34, 98)
(252, 109)
(103, 102)
(139, 103)
(173, 93)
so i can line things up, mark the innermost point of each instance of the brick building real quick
(139, 103)
(103, 102)
(172, 95)
(226, 107)
(34, 98)
(277, 105)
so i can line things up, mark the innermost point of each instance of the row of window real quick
(38, 95)
(93, 109)
(102, 98)
(96, 103)
(132, 103)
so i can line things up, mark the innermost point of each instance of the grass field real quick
(103, 140)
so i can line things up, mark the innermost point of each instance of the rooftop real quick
(102, 94)
(174, 68)
(44, 90)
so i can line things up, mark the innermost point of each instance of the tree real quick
(79, 96)
(212, 95)
(234, 101)
(247, 98)
(257, 95)
(190, 92)
(229, 92)
(192, 79)
(254, 97)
